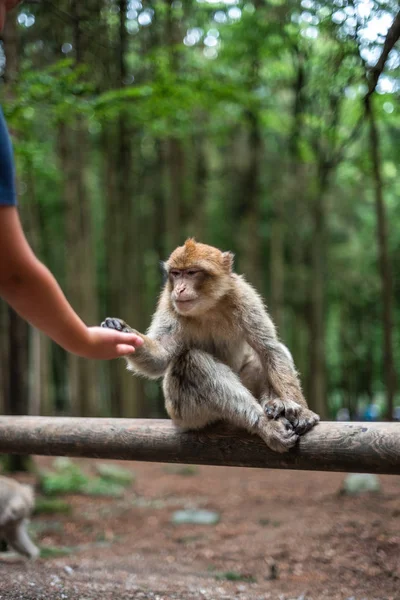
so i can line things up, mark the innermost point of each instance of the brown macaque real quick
(16, 504)
(214, 344)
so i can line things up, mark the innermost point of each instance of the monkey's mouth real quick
(185, 304)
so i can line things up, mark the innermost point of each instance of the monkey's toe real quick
(306, 421)
(117, 324)
(275, 408)
(283, 445)
(286, 424)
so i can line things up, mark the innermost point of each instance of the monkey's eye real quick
(174, 273)
(191, 272)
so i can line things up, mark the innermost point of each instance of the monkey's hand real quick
(151, 358)
(278, 435)
(300, 417)
(118, 325)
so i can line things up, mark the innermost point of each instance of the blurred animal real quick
(216, 347)
(16, 504)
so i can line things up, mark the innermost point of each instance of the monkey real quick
(16, 504)
(214, 344)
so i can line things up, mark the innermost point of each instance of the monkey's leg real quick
(200, 390)
(17, 537)
(253, 377)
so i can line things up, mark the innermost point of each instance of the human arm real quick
(32, 291)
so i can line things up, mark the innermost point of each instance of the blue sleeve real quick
(7, 175)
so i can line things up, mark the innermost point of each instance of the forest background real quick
(270, 128)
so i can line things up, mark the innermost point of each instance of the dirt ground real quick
(282, 535)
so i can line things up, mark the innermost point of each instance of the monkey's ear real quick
(164, 270)
(227, 259)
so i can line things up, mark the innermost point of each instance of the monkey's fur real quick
(16, 504)
(213, 342)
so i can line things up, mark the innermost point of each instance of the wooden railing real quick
(330, 446)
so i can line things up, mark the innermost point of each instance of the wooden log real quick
(330, 446)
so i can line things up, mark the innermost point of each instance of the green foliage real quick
(235, 576)
(102, 487)
(55, 551)
(115, 474)
(51, 506)
(68, 478)
(61, 88)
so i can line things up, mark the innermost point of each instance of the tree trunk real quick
(40, 384)
(82, 379)
(160, 203)
(198, 222)
(294, 190)
(123, 239)
(250, 208)
(173, 147)
(39, 400)
(384, 262)
(17, 399)
(317, 373)
(175, 197)
(81, 273)
(250, 236)
(277, 264)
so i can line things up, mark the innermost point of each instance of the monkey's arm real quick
(278, 365)
(282, 394)
(159, 347)
(153, 357)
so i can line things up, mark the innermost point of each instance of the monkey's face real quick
(198, 276)
(186, 290)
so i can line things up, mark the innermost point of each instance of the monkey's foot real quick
(117, 324)
(278, 435)
(275, 408)
(301, 418)
(306, 421)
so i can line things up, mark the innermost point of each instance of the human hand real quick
(105, 344)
